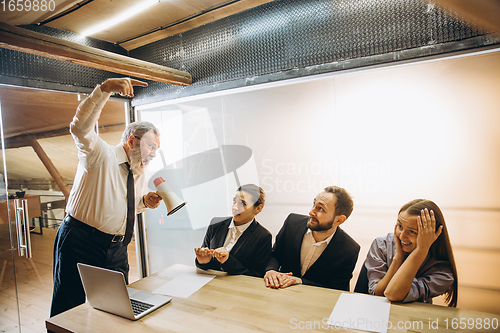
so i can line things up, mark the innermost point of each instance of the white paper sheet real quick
(184, 285)
(176, 270)
(361, 312)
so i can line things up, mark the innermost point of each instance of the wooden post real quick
(23, 40)
(51, 168)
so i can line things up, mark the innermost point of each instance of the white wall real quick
(423, 130)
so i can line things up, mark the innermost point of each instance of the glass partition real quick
(388, 135)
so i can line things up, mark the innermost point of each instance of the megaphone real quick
(171, 200)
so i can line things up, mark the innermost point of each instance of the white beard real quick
(136, 161)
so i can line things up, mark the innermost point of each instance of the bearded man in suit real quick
(313, 249)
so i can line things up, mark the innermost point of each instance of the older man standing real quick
(313, 249)
(108, 191)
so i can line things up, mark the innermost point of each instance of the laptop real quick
(106, 290)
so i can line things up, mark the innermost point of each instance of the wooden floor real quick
(34, 283)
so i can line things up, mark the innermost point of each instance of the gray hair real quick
(139, 128)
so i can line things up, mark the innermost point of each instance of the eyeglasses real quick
(152, 148)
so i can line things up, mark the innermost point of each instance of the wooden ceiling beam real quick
(25, 140)
(190, 23)
(23, 40)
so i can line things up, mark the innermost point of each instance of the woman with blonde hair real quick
(415, 263)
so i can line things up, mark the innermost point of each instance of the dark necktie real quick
(130, 207)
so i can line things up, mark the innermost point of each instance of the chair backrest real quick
(362, 283)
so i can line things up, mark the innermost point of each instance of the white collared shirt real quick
(311, 250)
(99, 193)
(234, 234)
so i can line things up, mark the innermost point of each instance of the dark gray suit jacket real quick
(333, 269)
(248, 256)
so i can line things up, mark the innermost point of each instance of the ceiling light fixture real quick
(140, 7)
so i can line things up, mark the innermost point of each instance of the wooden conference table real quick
(244, 304)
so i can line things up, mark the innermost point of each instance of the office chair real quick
(362, 283)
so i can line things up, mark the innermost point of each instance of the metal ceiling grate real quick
(277, 40)
(288, 38)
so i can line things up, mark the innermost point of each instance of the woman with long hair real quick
(415, 263)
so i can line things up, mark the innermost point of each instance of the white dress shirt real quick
(99, 193)
(310, 251)
(234, 234)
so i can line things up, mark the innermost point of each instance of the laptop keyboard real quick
(139, 307)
